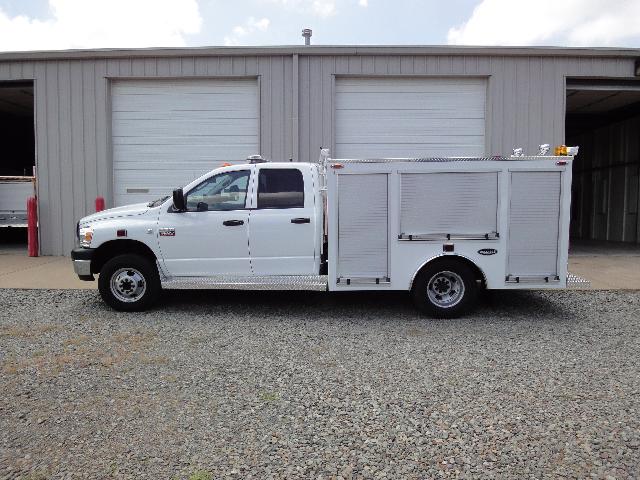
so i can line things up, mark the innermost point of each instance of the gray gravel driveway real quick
(300, 385)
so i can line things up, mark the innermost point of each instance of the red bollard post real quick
(99, 204)
(32, 227)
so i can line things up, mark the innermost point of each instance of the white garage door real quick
(410, 117)
(168, 132)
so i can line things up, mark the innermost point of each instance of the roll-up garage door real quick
(166, 133)
(410, 117)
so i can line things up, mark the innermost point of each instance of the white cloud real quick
(363, 3)
(250, 26)
(551, 22)
(319, 8)
(102, 23)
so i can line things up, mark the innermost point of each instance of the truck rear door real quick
(282, 223)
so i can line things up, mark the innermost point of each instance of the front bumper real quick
(81, 258)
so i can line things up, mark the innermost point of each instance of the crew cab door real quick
(283, 224)
(212, 236)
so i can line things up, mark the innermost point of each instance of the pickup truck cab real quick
(251, 220)
(441, 228)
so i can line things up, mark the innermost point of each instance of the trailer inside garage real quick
(17, 138)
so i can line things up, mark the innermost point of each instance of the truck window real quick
(225, 191)
(280, 188)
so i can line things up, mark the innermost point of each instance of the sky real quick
(72, 24)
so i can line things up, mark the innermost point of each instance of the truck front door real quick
(211, 237)
(283, 224)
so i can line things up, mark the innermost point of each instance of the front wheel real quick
(129, 283)
(445, 289)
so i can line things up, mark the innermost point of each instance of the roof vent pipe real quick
(306, 33)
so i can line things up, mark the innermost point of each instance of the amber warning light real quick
(563, 150)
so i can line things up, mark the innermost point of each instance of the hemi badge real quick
(167, 232)
(487, 251)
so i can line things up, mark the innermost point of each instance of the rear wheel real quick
(445, 289)
(129, 283)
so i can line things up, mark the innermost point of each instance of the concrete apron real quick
(17, 270)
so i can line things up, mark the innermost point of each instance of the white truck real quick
(441, 228)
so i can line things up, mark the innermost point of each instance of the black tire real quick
(136, 283)
(452, 281)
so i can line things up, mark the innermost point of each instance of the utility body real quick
(442, 228)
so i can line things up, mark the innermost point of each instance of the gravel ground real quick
(300, 385)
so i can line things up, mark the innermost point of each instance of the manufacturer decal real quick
(487, 251)
(167, 232)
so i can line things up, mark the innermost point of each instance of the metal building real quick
(130, 125)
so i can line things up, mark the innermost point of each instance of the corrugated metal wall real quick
(525, 106)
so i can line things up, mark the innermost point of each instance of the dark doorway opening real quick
(17, 161)
(603, 118)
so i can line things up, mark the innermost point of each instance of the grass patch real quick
(201, 475)
(15, 331)
(269, 397)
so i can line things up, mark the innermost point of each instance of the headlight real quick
(85, 236)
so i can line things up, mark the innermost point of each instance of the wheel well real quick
(110, 249)
(478, 273)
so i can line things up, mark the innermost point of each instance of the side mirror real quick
(178, 200)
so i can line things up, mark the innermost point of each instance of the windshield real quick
(157, 202)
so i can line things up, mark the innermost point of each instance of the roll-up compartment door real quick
(534, 216)
(363, 248)
(449, 203)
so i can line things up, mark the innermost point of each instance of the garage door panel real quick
(407, 128)
(178, 103)
(186, 128)
(435, 140)
(383, 85)
(195, 85)
(411, 102)
(168, 132)
(206, 140)
(132, 156)
(407, 150)
(397, 117)
(238, 113)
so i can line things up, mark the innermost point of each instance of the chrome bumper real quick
(82, 267)
(81, 259)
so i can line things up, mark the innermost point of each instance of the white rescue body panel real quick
(509, 218)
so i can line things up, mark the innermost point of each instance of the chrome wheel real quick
(128, 285)
(445, 289)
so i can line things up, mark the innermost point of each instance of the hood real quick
(124, 211)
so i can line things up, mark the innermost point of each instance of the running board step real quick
(577, 282)
(247, 282)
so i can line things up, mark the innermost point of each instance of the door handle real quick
(301, 220)
(233, 223)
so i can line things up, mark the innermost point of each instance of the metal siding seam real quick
(77, 127)
(39, 105)
(295, 138)
(66, 165)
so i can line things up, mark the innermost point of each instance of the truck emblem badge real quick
(167, 232)
(487, 251)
